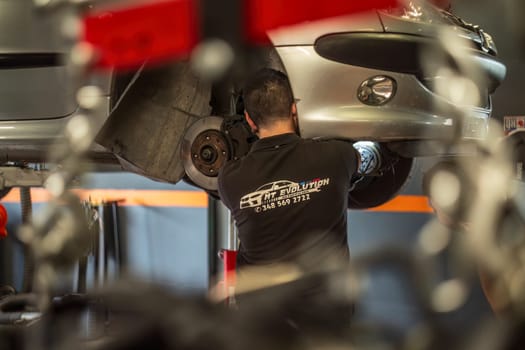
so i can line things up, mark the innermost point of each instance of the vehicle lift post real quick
(229, 258)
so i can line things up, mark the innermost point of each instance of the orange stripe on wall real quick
(405, 204)
(195, 199)
(147, 198)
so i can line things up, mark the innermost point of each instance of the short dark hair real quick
(268, 96)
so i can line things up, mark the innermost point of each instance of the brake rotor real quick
(204, 151)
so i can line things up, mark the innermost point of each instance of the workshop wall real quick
(165, 228)
(501, 19)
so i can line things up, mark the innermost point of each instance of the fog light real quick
(377, 90)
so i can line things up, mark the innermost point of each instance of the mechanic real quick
(289, 199)
(288, 195)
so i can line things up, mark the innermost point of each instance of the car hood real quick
(383, 21)
(433, 21)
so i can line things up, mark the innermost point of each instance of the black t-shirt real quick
(289, 196)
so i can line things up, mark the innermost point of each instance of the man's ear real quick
(251, 123)
(294, 119)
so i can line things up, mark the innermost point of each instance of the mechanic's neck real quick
(277, 128)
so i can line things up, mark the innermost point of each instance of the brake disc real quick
(204, 151)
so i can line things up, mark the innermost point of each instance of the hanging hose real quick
(29, 266)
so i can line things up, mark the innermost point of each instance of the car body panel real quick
(24, 29)
(26, 131)
(335, 111)
(410, 54)
(36, 93)
(307, 33)
(440, 19)
(394, 24)
(37, 87)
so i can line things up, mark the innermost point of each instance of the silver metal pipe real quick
(233, 239)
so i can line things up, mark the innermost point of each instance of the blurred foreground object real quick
(155, 32)
(159, 31)
(3, 221)
(482, 198)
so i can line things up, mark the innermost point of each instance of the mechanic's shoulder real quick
(234, 169)
(230, 166)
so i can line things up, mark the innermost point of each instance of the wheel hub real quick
(204, 151)
(209, 152)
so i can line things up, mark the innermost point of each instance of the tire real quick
(373, 191)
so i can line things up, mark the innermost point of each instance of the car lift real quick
(229, 258)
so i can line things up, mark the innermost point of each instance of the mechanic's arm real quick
(351, 158)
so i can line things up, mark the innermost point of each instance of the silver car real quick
(376, 79)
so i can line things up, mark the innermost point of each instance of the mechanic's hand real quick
(370, 157)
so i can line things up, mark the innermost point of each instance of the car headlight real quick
(377, 91)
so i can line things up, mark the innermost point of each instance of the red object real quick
(161, 31)
(264, 15)
(229, 258)
(156, 32)
(230, 264)
(3, 221)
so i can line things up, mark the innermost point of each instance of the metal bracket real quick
(22, 177)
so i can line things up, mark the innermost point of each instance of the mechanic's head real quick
(268, 100)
